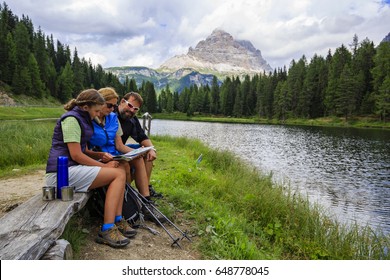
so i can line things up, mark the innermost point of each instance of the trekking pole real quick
(175, 240)
(141, 198)
(183, 233)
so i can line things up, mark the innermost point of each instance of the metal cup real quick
(67, 193)
(48, 193)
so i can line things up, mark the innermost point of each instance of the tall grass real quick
(28, 113)
(24, 143)
(240, 214)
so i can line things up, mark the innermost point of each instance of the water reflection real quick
(345, 170)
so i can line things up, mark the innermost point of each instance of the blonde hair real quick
(87, 97)
(108, 93)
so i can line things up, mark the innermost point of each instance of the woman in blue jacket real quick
(107, 139)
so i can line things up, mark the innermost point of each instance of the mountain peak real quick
(387, 38)
(220, 53)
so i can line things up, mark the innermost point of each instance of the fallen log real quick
(28, 231)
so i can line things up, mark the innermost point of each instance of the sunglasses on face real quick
(131, 106)
(110, 105)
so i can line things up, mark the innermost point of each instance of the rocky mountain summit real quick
(220, 53)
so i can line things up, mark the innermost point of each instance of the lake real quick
(346, 170)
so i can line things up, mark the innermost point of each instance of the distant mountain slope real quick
(177, 80)
(220, 55)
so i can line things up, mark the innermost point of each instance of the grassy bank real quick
(240, 214)
(358, 122)
(235, 212)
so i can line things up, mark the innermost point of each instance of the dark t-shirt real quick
(132, 128)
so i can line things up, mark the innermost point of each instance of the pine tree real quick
(151, 101)
(65, 84)
(345, 94)
(341, 57)
(383, 99)
(176, 101)
(196, 100)
(21, 81)
(51, 82)
(314, 87)
(295, 79)
(37, 87)
(41, 56)
(184, 100)
(162, 100)
(362, 63)
(169, 108)
(78, 73)
(7, 46)
(224, 96)
(133, 85)
(22, 43)
(260, 92)
(8, 63)
(280, 101)
(215, 95)
(238, 106)
(380, 74)
(247, 96)
(206, 99)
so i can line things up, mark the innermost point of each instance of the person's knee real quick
(119, 174)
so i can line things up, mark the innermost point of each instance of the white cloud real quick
(118, 32)
(95, 58)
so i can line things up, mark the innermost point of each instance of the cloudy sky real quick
(147, 32)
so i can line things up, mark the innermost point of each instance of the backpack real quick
(131, 205)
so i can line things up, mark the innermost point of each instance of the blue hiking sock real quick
(107, 226)
(118, 218)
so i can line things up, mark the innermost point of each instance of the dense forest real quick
(353, 81)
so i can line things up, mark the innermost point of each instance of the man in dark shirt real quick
(132, 130)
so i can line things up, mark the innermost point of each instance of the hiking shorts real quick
(80, 177)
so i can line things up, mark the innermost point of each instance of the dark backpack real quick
(131, 205)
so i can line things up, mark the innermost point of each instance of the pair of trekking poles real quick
(151, 208)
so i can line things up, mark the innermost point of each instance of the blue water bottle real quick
(62, 174)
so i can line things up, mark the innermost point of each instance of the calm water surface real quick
(345, 170)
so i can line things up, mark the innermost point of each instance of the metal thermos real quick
(62, 174)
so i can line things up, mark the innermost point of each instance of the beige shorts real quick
(80, 177)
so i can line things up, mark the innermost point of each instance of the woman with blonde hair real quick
(107, 139)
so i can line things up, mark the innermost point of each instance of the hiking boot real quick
(153, 192)
(112, 237)
(125, 228)
(152, 215)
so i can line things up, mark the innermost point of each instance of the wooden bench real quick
(31, 230)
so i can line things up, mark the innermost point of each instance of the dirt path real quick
(145, 246)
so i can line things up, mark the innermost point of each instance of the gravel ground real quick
(145, 246)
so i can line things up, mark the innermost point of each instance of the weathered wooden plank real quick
(62, 250)
(29, 230)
